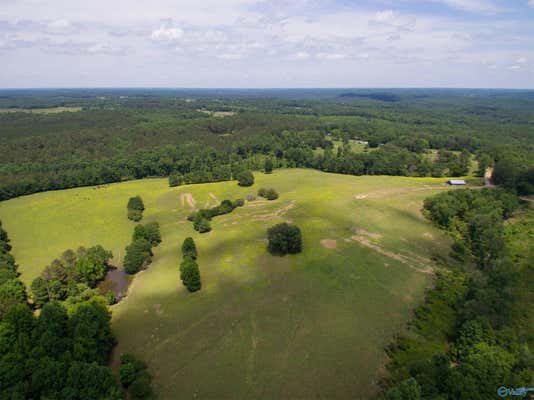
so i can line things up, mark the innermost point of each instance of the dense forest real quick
(473, 334)
(206, 136)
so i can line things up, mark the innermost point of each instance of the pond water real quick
(116, 281)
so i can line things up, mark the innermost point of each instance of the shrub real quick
(135, 215)
(189, 249)
(238, 203)
(245, 178)
(134, 376)
(271, 194)
(135, 208)
(190, 274)
(268, 166)
(201, 224)
(284, 238)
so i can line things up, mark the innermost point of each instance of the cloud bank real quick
(267, 43)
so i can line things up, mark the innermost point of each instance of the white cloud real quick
(384, 16)
(478, 6)
(230, 56)
(166, 34)
(332, 56)
(531, 3)
(302, 55)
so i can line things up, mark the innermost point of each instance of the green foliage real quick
(12, 292)
(57, 356)
(483, 329)
(201, 219)
(268, 166)
(269, 194)
(284, 238)
(176, 180)
(135, 208)
(134, 376)
(245, 178)
(201, 224)
(190, 274)
(137, 256)
(187, 145)
(406, 390)
(149, 232)
(61, 279)
(189, 249)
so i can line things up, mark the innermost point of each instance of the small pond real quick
(116, 281)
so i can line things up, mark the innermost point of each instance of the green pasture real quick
(51, 110)
(309, 326)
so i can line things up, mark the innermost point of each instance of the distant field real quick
(355, 147)
(308, 326)
(51, 110)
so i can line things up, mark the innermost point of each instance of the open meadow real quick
(312, 325)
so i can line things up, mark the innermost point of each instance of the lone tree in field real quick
(284, 238)
(268, 166)
(190, 274)
(189, 249)
(135, 208)
(245, 178)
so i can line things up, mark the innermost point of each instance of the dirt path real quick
(277, 213)
(487, 177)
(189, 199)
(369, 240)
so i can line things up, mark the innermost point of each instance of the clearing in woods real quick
(312, 325)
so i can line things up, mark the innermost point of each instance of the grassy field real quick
(51, 110)
(309, 326)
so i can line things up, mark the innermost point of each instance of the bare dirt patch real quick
(187, 198)
(360, 196)
(428, 235)
(277, 213)
(363, 232)
(329, 243)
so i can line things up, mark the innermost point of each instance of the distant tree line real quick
(471, 336)
(169, 137)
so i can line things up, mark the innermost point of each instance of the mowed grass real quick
(307, 326)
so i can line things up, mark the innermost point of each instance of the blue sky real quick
(267, 43)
